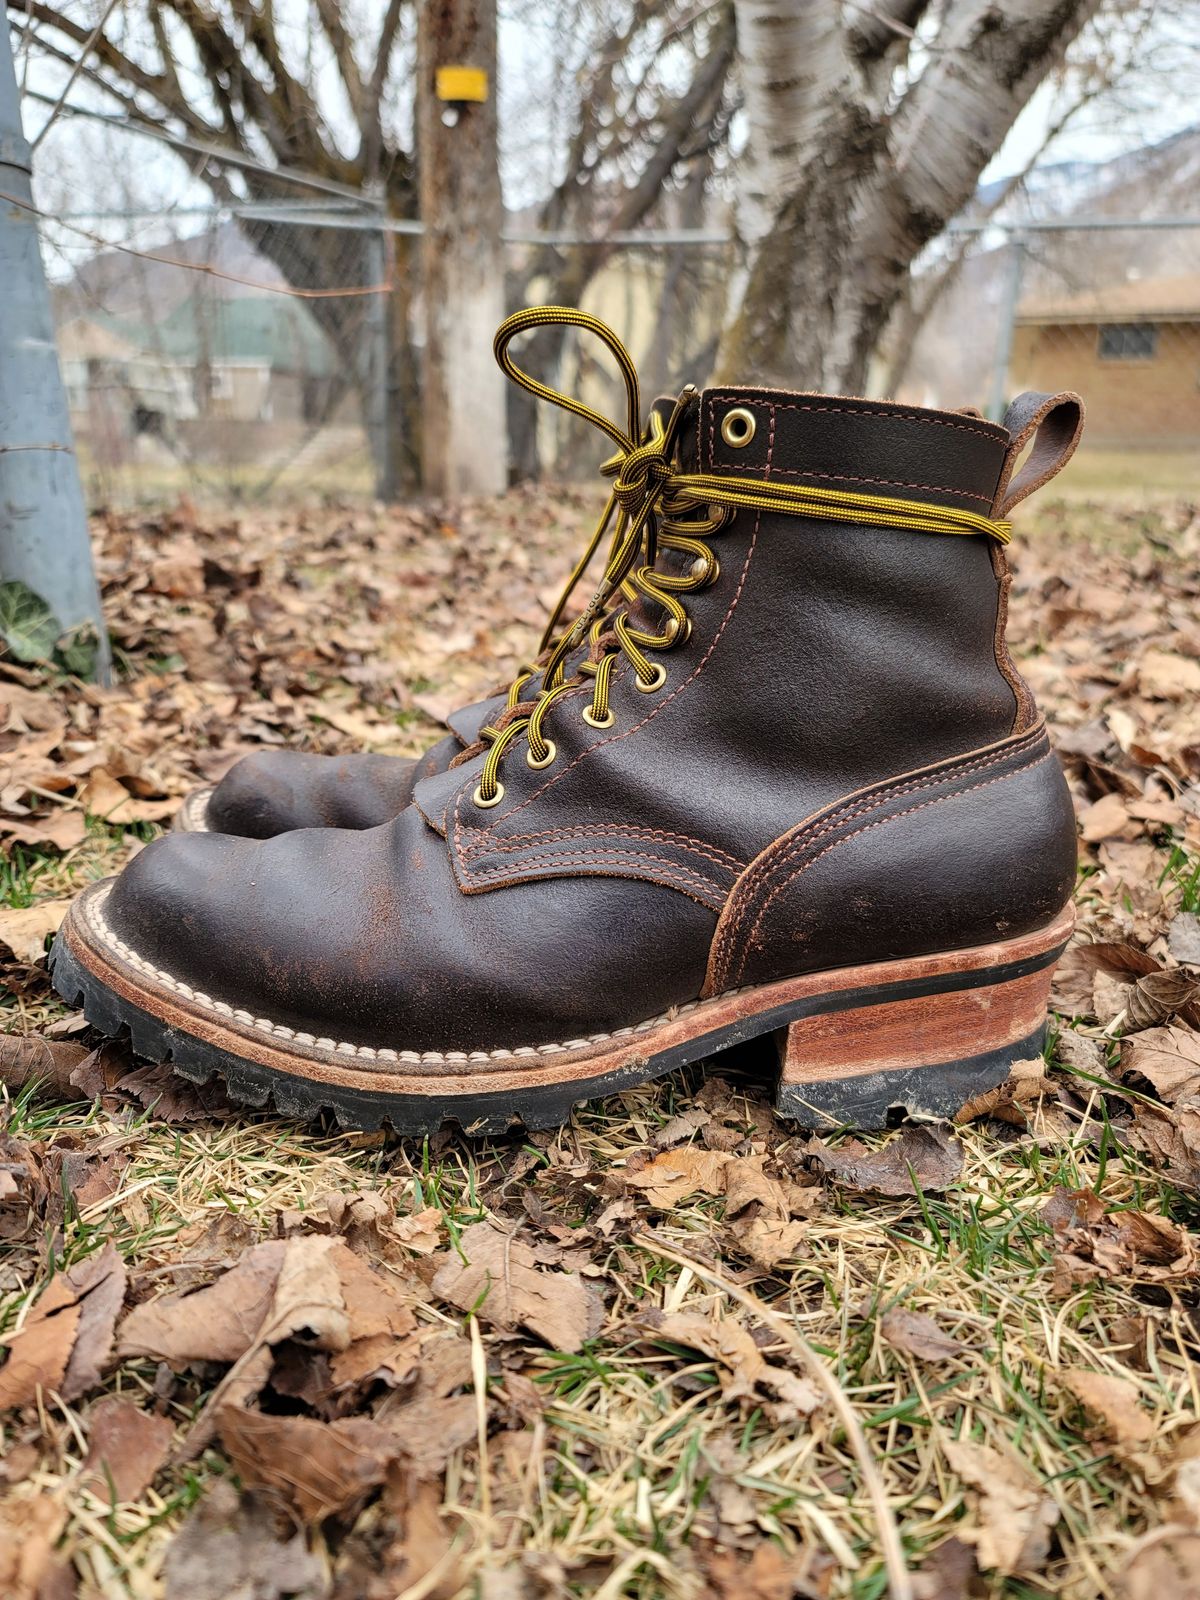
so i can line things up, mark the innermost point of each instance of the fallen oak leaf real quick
(1183, 938)
(1170, 1137)
(1013, 1100)
(915, 1334)
(29, 1531)
(923, 1156)
(68, 1338)
(32, 1058)
(126, 1448)
(1113, 1401)
(1014, 1515)
(24, 930)
(1167, 1058)
(104, 797)
(322, 1469)
(742, 1369)
(230, 1548)
(310, 1284)
(496, 1277)
(64, 831)
(217, 1323)
(675, 1175)
(1162, 1565)
(172, 1098)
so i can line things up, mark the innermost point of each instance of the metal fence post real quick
(376, 396)
(43, 522)
(998, 399)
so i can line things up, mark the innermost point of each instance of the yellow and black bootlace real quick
(653, 506)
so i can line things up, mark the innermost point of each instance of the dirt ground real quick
(677, 1349)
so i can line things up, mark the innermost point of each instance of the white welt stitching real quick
(94, 916)
(194, 811)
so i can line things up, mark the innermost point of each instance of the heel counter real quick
(969, 851)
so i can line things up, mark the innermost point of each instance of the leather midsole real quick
(741, 1014)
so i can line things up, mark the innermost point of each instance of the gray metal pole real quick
(43, 522)
(998, 399)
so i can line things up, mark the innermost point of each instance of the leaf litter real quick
(451, 1370)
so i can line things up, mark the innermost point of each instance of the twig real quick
(899, 1581)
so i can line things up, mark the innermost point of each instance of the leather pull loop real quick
(1054, 422)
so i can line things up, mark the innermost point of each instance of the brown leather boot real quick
(796, 787)
(276, 791)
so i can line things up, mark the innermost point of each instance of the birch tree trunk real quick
(463, 422)
(844, 187)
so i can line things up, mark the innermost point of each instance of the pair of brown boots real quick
(781, 777)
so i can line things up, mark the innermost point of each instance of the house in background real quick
(239, 377)
(119, 391)
(1132, 350)
(256, 359)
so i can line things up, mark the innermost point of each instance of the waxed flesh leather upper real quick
(824, 658)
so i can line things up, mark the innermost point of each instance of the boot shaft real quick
(822, 656)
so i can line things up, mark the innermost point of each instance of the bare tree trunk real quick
(843, 189)
(463, 425)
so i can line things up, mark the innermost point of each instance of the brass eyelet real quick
(677, 632)
(737, 427)
(656, 683)
(595, 722)
(551, 752)
(486, 805)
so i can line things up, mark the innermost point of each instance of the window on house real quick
(1128, 341)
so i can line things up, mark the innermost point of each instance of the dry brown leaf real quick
(1164, 675)
(1107, 818)
(29, 1569)
(231, 1548)
(126, 1448)
(744, 1372)
(1170, 1137)
(947, 1573)
(759, 1208)
(218, 1323)
(1163, 1566)
(29, 1058)
(1113, 1401)
(24, 930)
(499, 1281)
(67, 1339)
(412, 1552)
(172, 1098)
(674, 1175)
(310, 1284)
(1094, 1243)
(1014, 1100)
(1014, 1516)
(1168, 1058)
(103, 796)
(1161, 995)
(63, 831)
(915, 1334)
(320, 1469)
(923, 1156)
(1183, 938)
(768, 1573)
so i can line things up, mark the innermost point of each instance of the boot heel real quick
(918, 1037)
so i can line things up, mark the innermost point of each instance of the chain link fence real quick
(195, 368)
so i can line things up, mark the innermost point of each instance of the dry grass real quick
(642, 1476)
